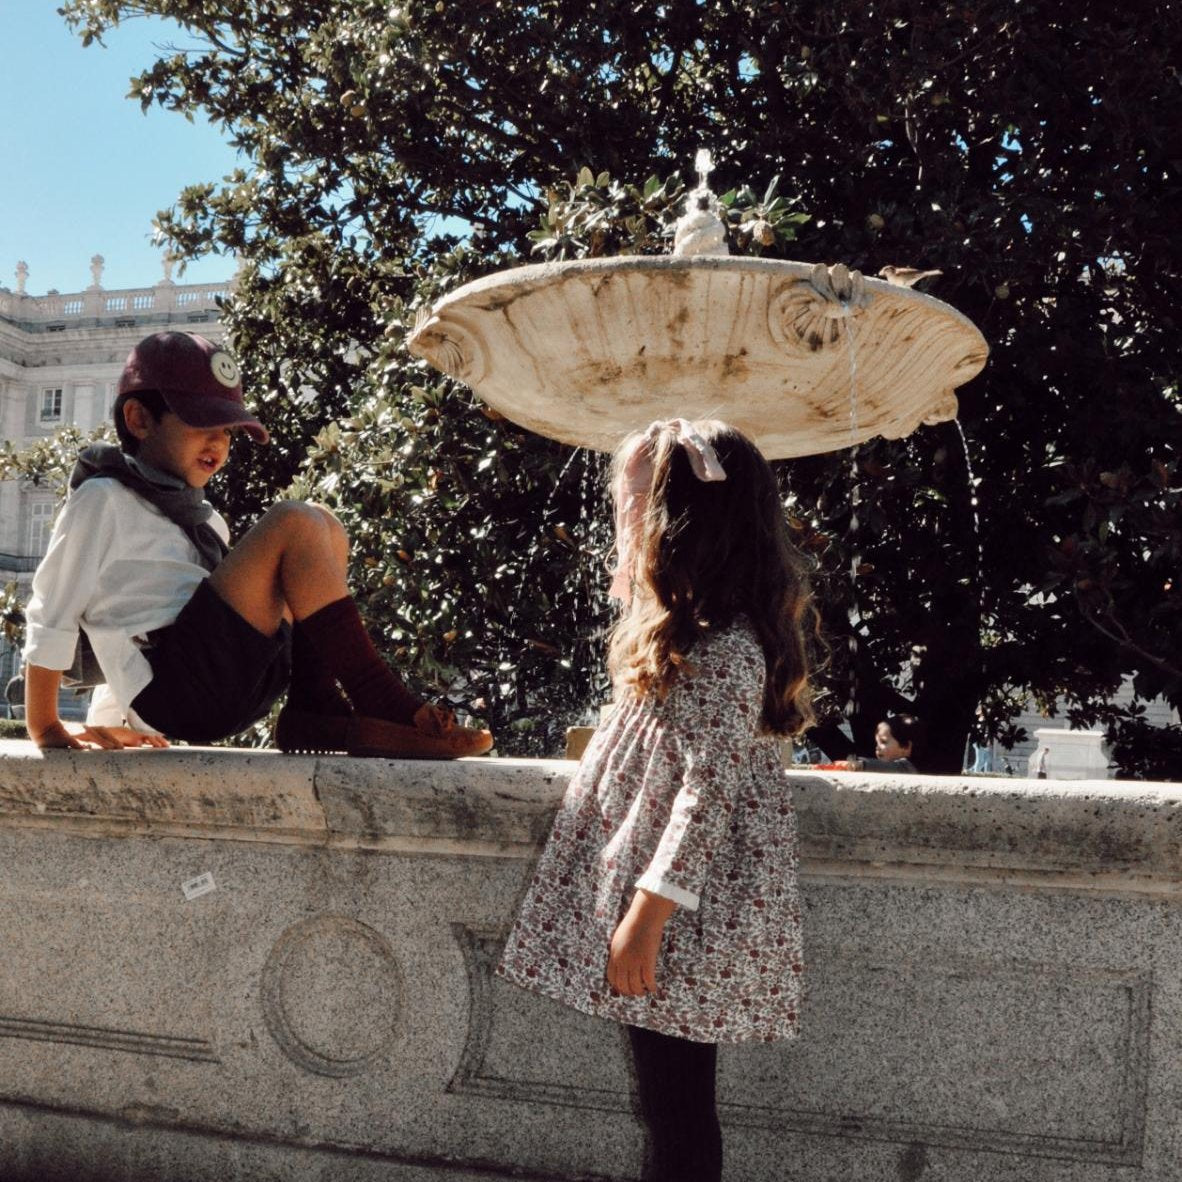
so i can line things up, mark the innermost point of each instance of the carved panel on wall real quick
(940, 1052)
(109, 1038)
(332, 995)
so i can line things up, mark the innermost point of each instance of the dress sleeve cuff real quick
(656, 885)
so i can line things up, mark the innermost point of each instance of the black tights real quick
(675, 1086)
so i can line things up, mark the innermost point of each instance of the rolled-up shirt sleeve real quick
(715, 744)
(66, 579)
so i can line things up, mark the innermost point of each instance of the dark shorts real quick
(213, 674)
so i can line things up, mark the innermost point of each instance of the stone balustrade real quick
(97, 304)
(236, 964)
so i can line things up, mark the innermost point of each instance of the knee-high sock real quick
(313, 687)
(337, 637)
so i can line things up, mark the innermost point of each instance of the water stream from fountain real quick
(854, 615)
(546, 516)
(975, 513)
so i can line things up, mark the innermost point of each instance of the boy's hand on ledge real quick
(107, 738)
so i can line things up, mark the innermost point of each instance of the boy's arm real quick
(46, 728)
(41, 717)
(82, 540)
(83, 537)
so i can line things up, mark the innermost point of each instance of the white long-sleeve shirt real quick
(119, 567)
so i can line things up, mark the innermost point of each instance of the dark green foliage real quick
(1031, 151)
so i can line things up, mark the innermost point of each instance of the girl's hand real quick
(632, 959)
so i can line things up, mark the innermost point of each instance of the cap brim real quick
(214, 412)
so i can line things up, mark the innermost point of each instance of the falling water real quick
(546, 515)
(974, 508)
(855, 615)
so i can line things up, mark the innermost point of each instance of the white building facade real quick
(60, 360)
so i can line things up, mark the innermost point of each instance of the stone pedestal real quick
(1074, 755)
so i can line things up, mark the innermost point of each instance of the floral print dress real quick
(686, 799)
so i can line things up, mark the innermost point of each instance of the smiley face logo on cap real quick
(225, 368)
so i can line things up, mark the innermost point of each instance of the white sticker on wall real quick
(194, 888)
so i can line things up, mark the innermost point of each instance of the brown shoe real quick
(435, 735)
(302, 731)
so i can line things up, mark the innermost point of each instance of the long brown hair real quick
(706, 552)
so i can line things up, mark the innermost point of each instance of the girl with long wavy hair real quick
(666, 897)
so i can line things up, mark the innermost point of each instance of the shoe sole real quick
(374, 738)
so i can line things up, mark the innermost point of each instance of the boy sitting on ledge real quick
(194, 640)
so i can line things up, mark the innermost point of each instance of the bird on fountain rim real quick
(907, 276)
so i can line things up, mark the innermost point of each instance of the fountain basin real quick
(802, 358)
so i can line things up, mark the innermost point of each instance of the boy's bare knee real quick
(300, 518)
(334, 522)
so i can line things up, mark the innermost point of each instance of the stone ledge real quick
(1123, 835)
(994, 990)
(1126, 834)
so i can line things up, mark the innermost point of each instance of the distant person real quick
(896, 739)
(666, 898)
(979, 738)
(14, 696)
(1039, 763)
(194, 640)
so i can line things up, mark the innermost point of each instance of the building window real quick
(84, 407)
(40, 526)
(51, 404)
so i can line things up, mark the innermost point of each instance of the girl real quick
(666, 897)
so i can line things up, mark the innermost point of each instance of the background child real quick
(194, 640)
(666, 897)
(895, 740)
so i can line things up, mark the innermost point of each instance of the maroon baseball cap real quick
(199, 381)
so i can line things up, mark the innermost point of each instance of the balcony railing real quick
(97, 304)
(18, 563)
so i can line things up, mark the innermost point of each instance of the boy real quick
(194, 640)
(895, 739)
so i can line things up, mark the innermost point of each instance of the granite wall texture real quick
(994, 988)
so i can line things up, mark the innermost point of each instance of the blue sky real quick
(82, 171)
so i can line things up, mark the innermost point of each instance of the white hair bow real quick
(632, 496)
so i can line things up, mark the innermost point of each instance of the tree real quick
(1028, 151)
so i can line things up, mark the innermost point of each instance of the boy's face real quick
(886, 746)
(194, 454)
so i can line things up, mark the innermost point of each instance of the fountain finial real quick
(703, 166)
(700, 231)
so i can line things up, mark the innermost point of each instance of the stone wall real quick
(995, 990)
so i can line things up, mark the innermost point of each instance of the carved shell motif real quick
(815, 312)
(449, 346)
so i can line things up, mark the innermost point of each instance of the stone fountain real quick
(233, 963)
(803, 357)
